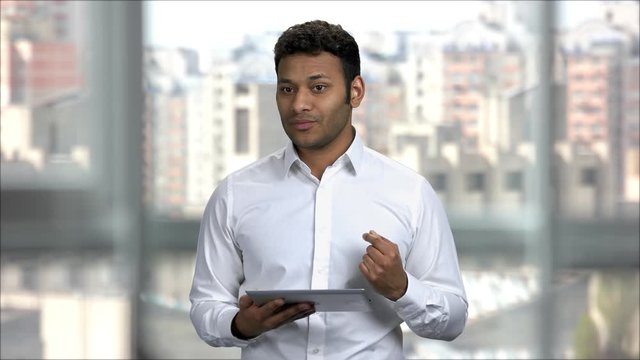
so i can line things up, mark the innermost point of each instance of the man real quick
(295, 220)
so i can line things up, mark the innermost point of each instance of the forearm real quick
(212, 322)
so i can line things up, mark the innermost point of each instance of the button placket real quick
(320, 266)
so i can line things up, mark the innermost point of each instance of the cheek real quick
(341, 113)
(282, 107)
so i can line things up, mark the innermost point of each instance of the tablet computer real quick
(324, 300)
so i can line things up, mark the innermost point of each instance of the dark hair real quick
(314, 37)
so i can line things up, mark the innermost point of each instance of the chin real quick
(307, 144)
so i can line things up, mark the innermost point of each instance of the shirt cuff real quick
(225, 330)
(413, 302)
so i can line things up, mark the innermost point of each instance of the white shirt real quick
(273, 225)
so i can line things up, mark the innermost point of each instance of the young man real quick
(295, 220)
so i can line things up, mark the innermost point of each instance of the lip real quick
(302, 124)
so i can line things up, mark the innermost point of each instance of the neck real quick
(318, 159)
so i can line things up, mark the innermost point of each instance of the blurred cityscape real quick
(42, 78)
(455, 106)
(458, 106)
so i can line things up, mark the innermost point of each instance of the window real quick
(439, 182)
(242, 89)
(475, 182)
(588, 177)
(242, 131)
(513, 181)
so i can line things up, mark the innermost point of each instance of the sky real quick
(222, 24)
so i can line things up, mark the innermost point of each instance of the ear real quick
(357, 91)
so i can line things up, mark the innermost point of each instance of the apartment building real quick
(201, 125)
(41, 84)
(39, 52)
(172, 83)
(601, 64)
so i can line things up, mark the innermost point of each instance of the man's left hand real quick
(382, 266)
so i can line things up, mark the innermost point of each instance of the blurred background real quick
(119, 118)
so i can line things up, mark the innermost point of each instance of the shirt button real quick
(315, 351)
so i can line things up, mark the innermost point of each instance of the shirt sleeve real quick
(218, 273)
(435, 304)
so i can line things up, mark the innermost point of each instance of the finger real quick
(301, 312)
(378, 250)
(376, 240)
(303, 315)
(384, 245)
(245, 302)
(372, 267)
(376, 255)
(364, 269)
(289, 314)
(272, 306)
(367, 272)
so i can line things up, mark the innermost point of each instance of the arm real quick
(218, 274)
(429, 296)
(217, 315)
(435, 304)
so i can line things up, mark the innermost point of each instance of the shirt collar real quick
(352, 155)
(290, 157)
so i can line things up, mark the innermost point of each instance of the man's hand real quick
(382, 266)
(252, 320)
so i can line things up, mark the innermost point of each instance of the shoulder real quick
(379, 165)
(397, 177)
(263, 169)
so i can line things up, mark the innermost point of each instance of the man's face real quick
(311, 101)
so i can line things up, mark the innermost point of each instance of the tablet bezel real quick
(324, 300)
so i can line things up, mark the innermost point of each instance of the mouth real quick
(302, 124)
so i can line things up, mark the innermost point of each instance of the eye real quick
(318, 88)
(286, 89)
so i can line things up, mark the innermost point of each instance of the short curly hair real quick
(314, 37)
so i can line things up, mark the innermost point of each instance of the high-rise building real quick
(41, 80)
(39, 53)
(458, 77)
(602, 100)
(170, 82)
(480, 62)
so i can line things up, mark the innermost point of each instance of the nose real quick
(302, 101)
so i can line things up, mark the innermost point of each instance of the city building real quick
(41, 87)
(600, 59)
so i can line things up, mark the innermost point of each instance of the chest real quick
(291, 226)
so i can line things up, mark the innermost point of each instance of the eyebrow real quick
(312, 78)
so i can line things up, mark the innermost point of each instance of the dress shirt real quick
(273, 225)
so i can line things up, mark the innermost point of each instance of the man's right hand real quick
(252, 320)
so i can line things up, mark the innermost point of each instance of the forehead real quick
(304, 66)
